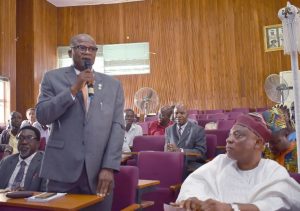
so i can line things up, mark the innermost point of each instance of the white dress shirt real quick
(135, 130)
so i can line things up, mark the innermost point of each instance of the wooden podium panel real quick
(67, 202)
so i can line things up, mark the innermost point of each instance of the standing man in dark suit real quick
(21, 171)
(85, 142)
(185, 136)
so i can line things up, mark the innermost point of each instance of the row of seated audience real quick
(242, 168)
(282, 146)
(8, 141)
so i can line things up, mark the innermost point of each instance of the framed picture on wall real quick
(273, 37)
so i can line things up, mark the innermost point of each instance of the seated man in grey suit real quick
(184, 136)
(21, 171)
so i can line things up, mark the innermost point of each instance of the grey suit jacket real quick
(32, 180)
(191, 140)
(76, 138)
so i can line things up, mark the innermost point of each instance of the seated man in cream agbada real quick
(241, 179)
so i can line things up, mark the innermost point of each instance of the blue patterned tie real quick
(17, 182)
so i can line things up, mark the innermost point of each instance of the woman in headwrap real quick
(282, 147)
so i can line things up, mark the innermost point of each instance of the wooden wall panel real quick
(8, 45)
(36, 48)
(25, 56)
(45, 41)
(209, 53)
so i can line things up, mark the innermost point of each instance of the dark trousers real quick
(81, 186)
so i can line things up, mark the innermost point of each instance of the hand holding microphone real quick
(84, 78)
(88, 65)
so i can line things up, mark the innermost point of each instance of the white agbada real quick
(268, 186)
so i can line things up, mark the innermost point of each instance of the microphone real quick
(88, 65)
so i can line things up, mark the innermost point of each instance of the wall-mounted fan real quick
(277, 88)
(146, 100)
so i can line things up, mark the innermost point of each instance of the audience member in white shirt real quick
(131, 130)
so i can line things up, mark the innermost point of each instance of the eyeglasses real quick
(27, 138)
(83, 48)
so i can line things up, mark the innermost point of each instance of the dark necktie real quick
(180, 131)
(17, 182)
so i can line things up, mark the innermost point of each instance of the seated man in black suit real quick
(185, 136)
(21, 171)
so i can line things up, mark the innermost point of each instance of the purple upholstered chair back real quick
(193, 111)
(203, 122)
(217, 116)
(215, 111)
(167, 167)
(148, 143)
(202, 116)
(296, 176)
(151, 118)
(126, 181)
(234, 114)
(193, 116)
(211, 144)
(145, 126)
(261, 109)
(225, 124)
(222, 135)
(243, 110)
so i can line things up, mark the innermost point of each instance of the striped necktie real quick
(180, 131)
(18, 180)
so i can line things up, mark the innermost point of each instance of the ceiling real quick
(69, 3)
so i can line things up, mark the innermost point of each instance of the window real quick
(115, 59)
(4, 100)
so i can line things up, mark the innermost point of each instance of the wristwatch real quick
(234, 207)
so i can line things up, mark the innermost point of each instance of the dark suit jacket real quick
(77, 138)
(32, 180)
(191, 140)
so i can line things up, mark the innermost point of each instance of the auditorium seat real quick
(202, 116)
(126, 181)
(296, 176)
(211, 143)
(151, 118)
(225, 124)
(145, 126)
(217, 116)
(203, 122)
(234, 114)
(168, 168)
(262, 109)
(193, 111)
(193, 116)
(146, 143)
(222, 135)
(243, 110)
(215, 111)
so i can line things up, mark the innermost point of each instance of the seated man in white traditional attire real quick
(241, 179)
